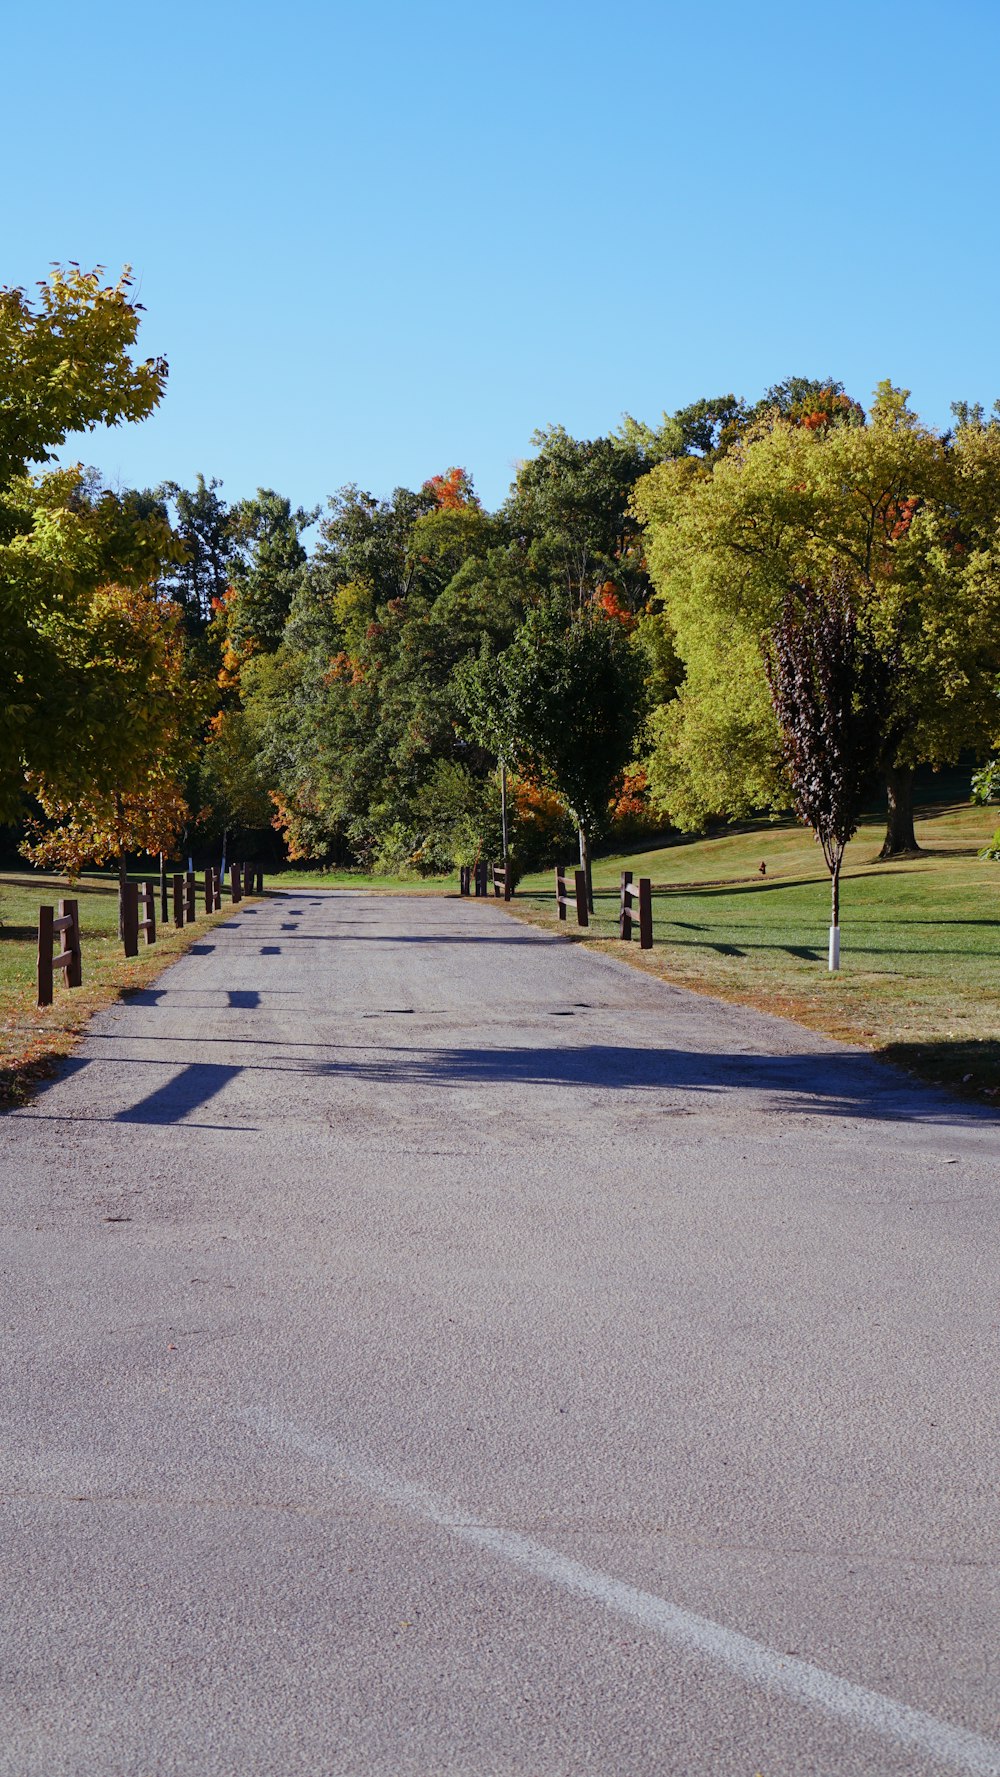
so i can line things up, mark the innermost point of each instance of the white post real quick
(834, 947)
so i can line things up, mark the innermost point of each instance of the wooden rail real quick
(138, 894)
(643, 894)
(577, 899)
(69, 959)
(476, 878)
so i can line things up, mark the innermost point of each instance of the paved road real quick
(431, 1349)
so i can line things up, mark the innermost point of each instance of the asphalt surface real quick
(428, 1348)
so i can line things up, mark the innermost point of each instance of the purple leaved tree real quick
(830, 688)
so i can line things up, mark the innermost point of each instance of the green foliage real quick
(914, 522)
(992, 849)
(66, 539)
(230, 793)
(986, 783)
(65, 365)
(266, 569)
(202, 524)
(570, 510)
(564, 702)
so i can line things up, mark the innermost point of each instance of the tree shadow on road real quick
(831, 1084)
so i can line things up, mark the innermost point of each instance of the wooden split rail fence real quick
(138, 894)
(245, 880)
(641, 894)
(477, 878)
(635, 905)
(69, 959)
(577, 899)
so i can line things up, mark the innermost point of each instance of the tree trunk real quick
(503, 809)
(585, 865)
(835, 895)
(900, 838)
(122, 880)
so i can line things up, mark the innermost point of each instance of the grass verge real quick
(360, 879)
(33, 1039)
(920, 976)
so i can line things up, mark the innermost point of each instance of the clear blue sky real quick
(375, 240)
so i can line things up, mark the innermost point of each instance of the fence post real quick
(260, 880)
(645, 913)
(209, 897)
(130, 919)
(148, 898)
(508, 882)
(625, 910)
(191, 896)
(74, 974)
(561, 890)
(248, 879)
(582, 915)
(235, 880)
(45, 935)
(217, 890)
(178, 902)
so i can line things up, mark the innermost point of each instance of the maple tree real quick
(829, 688)
(65, 364)
(142, 713)
(912, 518)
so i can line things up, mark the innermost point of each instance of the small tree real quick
(831, 691)
(565, 702)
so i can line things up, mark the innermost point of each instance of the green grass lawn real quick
(920, 974)
(360, 879)
(32, 1038)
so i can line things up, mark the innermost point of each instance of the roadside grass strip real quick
(920, 975)
(33, 1039)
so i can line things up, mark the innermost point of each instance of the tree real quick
(266, 571)
(707, 429)
(143, 716)
(360, 732)
(565, 702)
(202, 524)
(66, 539)
(232, 795)
(830, 691)
(913, 519)
(571, 509)
(65, 365)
